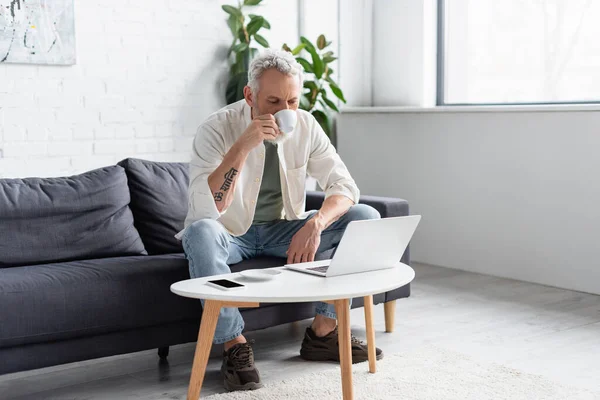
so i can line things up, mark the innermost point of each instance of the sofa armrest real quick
(387, 206)
(314, 200)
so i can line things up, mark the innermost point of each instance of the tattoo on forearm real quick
(229, 179)
(218, 196)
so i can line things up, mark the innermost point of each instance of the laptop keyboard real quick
(322, 269)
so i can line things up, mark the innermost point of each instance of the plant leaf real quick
(232, 10)
(327, 45)
(252, 2)
(239, 47)
(329, 59)
(238, 66)
(286, 47)
(336, 91)
(322, 103)
(305, 64)
(255, 25)
(310, 85)
(318, 65)
(231, 47)
(321, 42)
(242, 35)
(235, 87)
(323, 120)
(330, 103)
(234, 24)
(298, 49)
(328, 79)
(248, 55)
(242, 60)
(307, 44)
(261, 40)
(265, 24)
(253, 53)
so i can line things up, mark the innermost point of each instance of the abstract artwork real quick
(37, 32)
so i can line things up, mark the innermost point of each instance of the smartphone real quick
(225, 284)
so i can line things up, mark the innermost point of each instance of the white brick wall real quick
(147, 74)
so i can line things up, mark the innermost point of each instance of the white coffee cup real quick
(286, 119)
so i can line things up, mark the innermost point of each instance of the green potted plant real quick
(245, 30)
(319, 86)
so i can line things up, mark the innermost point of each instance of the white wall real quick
(356, 52)
(511, 194)
(147, 74)
(404, 52)
(388, 52)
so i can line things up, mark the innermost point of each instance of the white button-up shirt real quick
(307, 151)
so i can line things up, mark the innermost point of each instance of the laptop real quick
(366, 245)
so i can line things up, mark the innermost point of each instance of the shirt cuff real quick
(348, 191)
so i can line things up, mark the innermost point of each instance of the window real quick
(518, 51)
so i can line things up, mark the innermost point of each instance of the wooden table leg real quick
(206, 334)
(370, 332)
(210, 316)
(342, 309)
(390, 313)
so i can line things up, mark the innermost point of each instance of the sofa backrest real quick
(85, 216)
(159, 201)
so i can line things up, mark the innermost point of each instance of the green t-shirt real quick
(270, 202)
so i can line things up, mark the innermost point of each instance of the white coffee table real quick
(293, 287)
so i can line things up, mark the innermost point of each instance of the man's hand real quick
(261, 128)
(305, 244)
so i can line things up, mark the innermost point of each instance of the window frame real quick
(441, 71)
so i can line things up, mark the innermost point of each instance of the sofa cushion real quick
(66, 300)
(84, 216)
(48, 302)
(159, 201)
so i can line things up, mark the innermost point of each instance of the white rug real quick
(427, 373)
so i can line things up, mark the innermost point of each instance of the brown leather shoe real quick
(239, 372)
(326, 348)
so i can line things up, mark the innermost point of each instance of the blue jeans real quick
(210, 249)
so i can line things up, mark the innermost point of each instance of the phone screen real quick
(227, 284)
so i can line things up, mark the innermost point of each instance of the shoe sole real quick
(320, 355)
(232, 387)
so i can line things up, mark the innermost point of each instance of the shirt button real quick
(261, 155)
(253, 201)
(257, 180)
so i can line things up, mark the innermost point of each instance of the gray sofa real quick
(86, 263)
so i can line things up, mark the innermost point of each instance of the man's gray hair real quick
(282, 61)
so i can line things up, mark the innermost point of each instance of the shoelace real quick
(355, 340)
(242, 356)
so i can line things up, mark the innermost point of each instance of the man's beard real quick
(281, 138)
